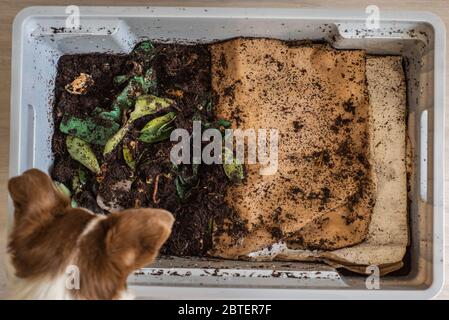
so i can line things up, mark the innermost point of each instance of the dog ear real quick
(35, 192)
(136, 235)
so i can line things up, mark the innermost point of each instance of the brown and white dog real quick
(51, 244)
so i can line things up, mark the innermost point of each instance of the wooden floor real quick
(8, 9)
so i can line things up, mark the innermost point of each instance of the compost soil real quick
(183, 74)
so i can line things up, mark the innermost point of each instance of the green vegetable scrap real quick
(80, 151)
(116, 138)
(158, 129)
(88, 130)
(144, 52)
(149, 83)
(121, 79)
(223, 123)
(74, 204)
(137, 85)
(186, 180)
(210, 226)
(182, 190)
(218, 124)
(63, 189)
(145, 47)
(133, 89)
(113, 115)
(145, 105)
(128, 156)
(232, 167)
(209, 106)
(79, 181)
(142, 55)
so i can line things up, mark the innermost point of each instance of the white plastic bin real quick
(418, 36)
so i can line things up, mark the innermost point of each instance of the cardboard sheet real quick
(331, 133)
(387, 237)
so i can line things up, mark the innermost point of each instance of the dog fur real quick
(52, 244)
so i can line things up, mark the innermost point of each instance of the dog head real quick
(51, 241)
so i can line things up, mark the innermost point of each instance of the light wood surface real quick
(8, 10)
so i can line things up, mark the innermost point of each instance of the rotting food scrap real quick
(80, 84)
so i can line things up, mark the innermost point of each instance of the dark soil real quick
(178, 68)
